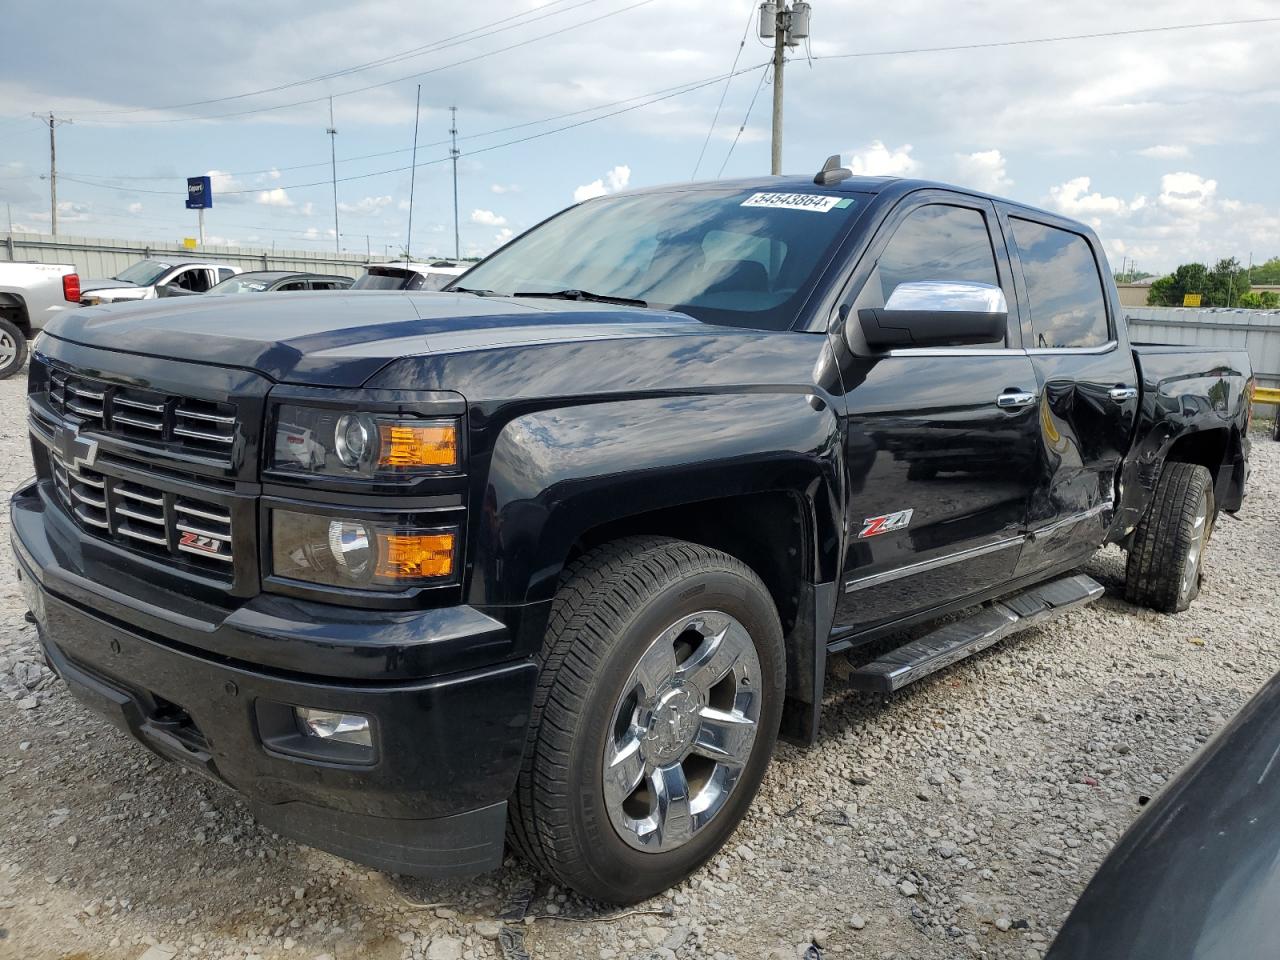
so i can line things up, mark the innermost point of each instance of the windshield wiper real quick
(583, 295)
(478, 293)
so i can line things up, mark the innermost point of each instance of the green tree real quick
(1222, 286)
(1267, 272)
(1169, 291)
(1260, 300)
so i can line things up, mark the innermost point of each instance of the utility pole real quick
(413, 169)
(453, 153)
(53, 123)
(786, 26)
(332, 131)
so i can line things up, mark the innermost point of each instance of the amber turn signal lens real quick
(407, 445)
(412, 556)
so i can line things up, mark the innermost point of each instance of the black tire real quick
(1158, 573)
(612, 604)
(13, 345)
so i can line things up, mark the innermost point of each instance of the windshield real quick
(144, 273)
(740, 257)
(384, 278)
(245, 283)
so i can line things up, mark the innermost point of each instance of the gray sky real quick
(1166, 142)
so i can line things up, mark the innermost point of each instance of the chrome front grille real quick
(179, 526)
(192, 425)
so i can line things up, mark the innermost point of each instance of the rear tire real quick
(1166, 559)
(658, 653)
(13, 348)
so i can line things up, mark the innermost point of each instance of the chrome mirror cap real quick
(947, 296)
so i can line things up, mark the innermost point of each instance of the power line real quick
(1075, 36)
(386, 83)
(664, 95)
(751, 15)
(745, 121)
(433, 47)
(692, 84)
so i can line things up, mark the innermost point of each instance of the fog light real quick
(337, 727)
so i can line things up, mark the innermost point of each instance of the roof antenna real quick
(832, 172)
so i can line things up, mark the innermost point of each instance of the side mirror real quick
(936, 313)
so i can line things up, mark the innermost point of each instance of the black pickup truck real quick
(553, 557)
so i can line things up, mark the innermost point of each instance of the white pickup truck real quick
(31, 294)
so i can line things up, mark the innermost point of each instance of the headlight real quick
(368, 555)
(314, 440)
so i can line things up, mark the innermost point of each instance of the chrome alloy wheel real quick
(1200, 529)
(682, 731)
(8, 349)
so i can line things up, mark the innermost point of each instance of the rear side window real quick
(938, 242)
(225, 273)
(1063, 286)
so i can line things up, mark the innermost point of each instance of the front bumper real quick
(429, 801)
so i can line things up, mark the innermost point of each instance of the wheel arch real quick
(754, 476)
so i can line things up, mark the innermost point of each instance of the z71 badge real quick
(887, 523)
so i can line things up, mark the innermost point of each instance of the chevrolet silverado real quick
(553, 557)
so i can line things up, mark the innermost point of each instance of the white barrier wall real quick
(98, 259)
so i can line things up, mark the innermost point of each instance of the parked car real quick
(30, 295)
(150, 279)
(1196, 876)
(410, 275)
(556, 554)
(277, 281)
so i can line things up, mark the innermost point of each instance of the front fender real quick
(556, 474)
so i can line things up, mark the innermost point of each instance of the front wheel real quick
(13, 349)
(1166, 559)
(656, 713)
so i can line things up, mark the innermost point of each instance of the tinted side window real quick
(1063, 286)
(195, 279)
(938, 242)
(293, 285)
(225, 273)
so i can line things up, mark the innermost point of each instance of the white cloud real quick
(1075, 199)
(505, 188)
(135, 208)
(308, 209)
(502, 236)
(877, 160)
(1165, 151)
(488, 218)
(615, 179)
(274, 174)
(984, 170)
(275, 197)
(1186, 193)
(366, 206)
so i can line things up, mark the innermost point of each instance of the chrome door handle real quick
(1015, 398)
(1121, 394)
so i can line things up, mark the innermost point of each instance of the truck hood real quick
(331, 339)
(104, 284)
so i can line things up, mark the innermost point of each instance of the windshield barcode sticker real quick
(817, 202)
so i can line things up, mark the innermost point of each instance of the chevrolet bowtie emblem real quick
(73, 448)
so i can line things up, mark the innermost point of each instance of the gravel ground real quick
(958, 818)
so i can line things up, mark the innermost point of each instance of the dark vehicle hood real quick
(342, 339)
(1197, 876)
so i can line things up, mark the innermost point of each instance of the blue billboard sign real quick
(199, 193)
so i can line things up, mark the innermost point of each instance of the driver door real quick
(940, 465)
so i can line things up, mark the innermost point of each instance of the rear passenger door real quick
(1087, 381)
